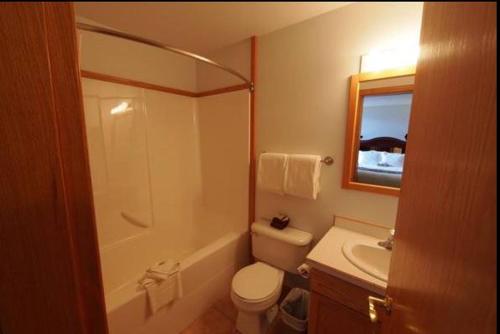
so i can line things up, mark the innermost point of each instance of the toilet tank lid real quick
(289, 235)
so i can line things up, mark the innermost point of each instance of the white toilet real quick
(255, 289)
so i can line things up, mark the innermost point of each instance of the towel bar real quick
(328, 160)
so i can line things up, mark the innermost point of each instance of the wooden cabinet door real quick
(443, 268)
(330, 317)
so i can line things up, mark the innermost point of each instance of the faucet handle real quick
(391, 232)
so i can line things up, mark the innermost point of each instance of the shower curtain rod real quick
(119, 34)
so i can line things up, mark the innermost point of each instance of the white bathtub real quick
(206, 277)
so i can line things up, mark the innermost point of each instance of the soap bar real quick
(280, 222)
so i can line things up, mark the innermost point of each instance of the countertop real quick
(327, 257)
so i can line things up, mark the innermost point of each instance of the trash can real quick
(294, 309)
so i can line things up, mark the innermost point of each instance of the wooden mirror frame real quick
(354, 125)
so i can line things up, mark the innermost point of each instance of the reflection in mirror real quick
(382, 144)
(377, 130)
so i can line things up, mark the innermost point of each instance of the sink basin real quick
(370, 258)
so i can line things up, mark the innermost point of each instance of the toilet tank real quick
(285, 249)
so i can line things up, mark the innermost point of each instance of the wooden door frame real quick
(50, 277)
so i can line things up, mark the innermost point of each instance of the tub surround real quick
(197, 192)
(198, 167)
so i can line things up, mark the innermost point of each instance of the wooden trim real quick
(349, 142)
(373, 188)
(163, 89)
(252, 171)
(221, 90)
(353, 126)
(135, 83)
(387, 90)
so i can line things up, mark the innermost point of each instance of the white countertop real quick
(327, 256)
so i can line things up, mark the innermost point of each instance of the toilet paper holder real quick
(304, 270)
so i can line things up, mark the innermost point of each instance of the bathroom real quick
(248, 167)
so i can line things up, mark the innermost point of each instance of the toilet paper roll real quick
(304, 270)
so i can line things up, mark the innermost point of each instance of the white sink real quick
(368, 257)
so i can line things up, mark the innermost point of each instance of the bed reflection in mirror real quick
(382, 142)
(377, 130)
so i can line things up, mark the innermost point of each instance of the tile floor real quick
(221, 319)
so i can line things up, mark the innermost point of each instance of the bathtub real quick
(206, 277)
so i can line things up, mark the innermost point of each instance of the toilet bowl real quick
(255, 289)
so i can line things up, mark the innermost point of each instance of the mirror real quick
(377, 130)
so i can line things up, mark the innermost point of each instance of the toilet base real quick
(255, 322)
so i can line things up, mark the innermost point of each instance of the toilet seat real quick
(257, 282)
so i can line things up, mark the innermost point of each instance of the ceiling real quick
(201, 26)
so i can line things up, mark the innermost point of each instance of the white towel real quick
(163, 284)
(302, 176)
(271, 172)
(162, 293)
(162, 270)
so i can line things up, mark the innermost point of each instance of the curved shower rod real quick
(119, 34)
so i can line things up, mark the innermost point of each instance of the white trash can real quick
(295, 308)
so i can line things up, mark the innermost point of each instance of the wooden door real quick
(443, 269)
(50, 280)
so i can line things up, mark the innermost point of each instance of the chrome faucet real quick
(389, 242)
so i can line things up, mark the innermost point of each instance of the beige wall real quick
(224, 162)
(235, 56)
(178, 165)
(126, 59)
(302, 92)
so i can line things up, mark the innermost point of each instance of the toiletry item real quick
(280, 222)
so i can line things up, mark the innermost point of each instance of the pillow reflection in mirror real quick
(391, 159)
(369, 158)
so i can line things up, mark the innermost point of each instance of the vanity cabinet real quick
(337, 306)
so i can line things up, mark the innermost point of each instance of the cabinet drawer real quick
(341, 291)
